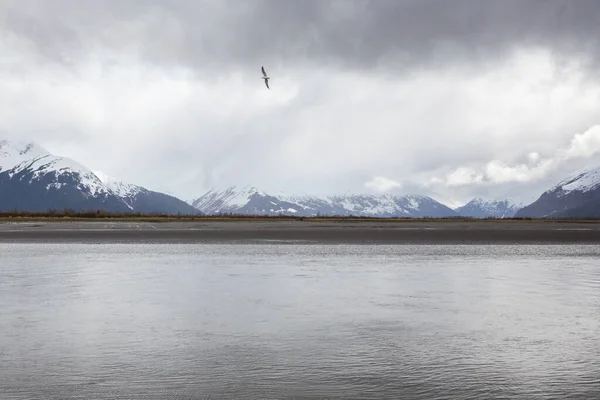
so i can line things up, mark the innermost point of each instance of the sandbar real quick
(304, 232)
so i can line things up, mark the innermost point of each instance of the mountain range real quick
(32, 179)
(249, 200)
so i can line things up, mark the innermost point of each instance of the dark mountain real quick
(143, 200)
(575, 197)
(32, 179)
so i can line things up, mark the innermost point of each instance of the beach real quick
(312, 231)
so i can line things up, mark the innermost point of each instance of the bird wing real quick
(267, 83)
(263, 71)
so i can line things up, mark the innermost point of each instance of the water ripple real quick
(279, 321)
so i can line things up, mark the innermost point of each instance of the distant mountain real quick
(575, 197)
(480, 208)
(249, 200)
(32, 179)
(143, 200)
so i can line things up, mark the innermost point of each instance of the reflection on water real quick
(276, 321)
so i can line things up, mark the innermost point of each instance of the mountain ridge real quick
(577, 196)
(479, 207)
(248, 199)
(33, 179)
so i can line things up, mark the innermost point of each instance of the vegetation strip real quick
(96, 215)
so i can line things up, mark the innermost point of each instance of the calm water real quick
(292, 321)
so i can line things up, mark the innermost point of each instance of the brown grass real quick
(97, 215)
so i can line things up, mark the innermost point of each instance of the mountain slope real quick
(480, 208)
(575, 197)
(249, 200)
(32, 179)
(143, 200)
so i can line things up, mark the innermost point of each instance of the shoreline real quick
(42, 217)
(303, 232)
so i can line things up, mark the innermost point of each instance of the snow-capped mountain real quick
(32, 179)
(230, 198)
(19, 158)
(118, 187)
(481, 208)
(143, 200)
(578, 196)
(249, 200)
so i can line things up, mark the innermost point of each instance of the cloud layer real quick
(452, 99)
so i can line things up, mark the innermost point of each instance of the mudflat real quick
(311, 231)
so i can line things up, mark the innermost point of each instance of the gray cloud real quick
(358, 34)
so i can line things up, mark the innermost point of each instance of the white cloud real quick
(585, 144)
(533, 157)
(463, 176)
(582, 146)
(321, 128)
(498, 172)
(382, 184)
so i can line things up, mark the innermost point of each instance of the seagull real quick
(265, 77)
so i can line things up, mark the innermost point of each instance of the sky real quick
(451, 99)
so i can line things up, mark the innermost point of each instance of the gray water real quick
(110, 321)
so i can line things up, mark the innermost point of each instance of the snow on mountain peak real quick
(479, 207)
(118, 187)
(493, 202)
(14, 153)
(103, 177)
(583, 181)
(21, 146)
(34, 179)
(478, 200)
(228, 198)
(248, 199)
(19, 157)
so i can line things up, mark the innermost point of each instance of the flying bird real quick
(265, 77)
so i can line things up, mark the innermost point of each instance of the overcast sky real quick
(452, 99)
